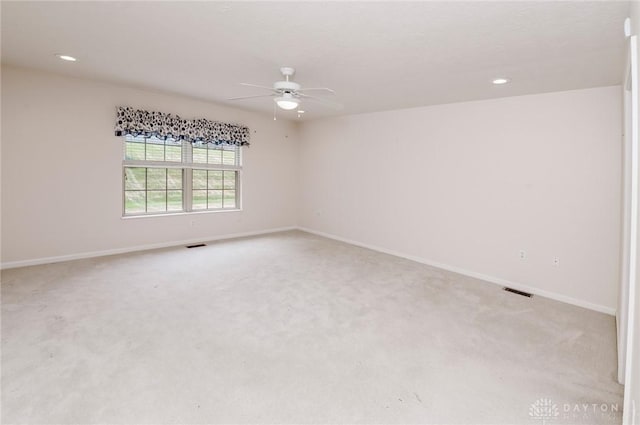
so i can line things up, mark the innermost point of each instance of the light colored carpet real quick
(292, 328)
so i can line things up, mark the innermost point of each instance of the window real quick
(168, 176)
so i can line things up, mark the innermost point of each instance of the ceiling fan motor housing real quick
(286, 86)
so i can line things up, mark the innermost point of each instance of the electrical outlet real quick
(556, 261)
(523, 254)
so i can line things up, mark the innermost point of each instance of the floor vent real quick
(515, 291)
(198, 245)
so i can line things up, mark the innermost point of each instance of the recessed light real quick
(498, 81)
(66, 57)
(300, 111)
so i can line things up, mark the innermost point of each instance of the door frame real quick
(627, 308)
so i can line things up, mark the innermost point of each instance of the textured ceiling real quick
(375, 55)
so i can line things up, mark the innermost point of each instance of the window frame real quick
(187, 166)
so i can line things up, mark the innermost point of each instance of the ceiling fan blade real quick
(256, 85)
(329, 103)
(250, 97)
(318, 88)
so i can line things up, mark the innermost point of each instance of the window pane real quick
(155, 149)
(134, 201)
(199, 200)
(134, 178)
(215, 199)
(174, 178)
(229, 157)
(199, 179)
(156, 201)
(215, 179)
(134, 150)
(199, 155)
(174, 200)
(229, 179)
(229, 199)
(215, 156)
(174, 151)
(156, 178)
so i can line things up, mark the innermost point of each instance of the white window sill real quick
(173, 214)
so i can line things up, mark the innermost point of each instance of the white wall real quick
(62, 172)
(469, 185)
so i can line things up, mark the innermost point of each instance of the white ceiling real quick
(375, 55)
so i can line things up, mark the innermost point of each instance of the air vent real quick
(515, 291)
(198, 245)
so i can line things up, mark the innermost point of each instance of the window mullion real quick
(187, 189)
(213, 167)
(146, 190)
(152, 164)
(187, 179)
(238, 189)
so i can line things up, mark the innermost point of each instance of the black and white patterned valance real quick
(137, 122)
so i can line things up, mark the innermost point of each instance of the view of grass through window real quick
(173, 176)
(153, 189)
(214, 189)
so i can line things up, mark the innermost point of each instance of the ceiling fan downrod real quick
(287, 72)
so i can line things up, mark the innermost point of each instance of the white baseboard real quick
(61, 258)
(484, 277)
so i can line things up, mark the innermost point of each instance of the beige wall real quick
(469, 185)
(62, 173)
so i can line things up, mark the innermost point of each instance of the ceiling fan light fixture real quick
(287, 102)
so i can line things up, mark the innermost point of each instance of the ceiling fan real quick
(288, 95)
